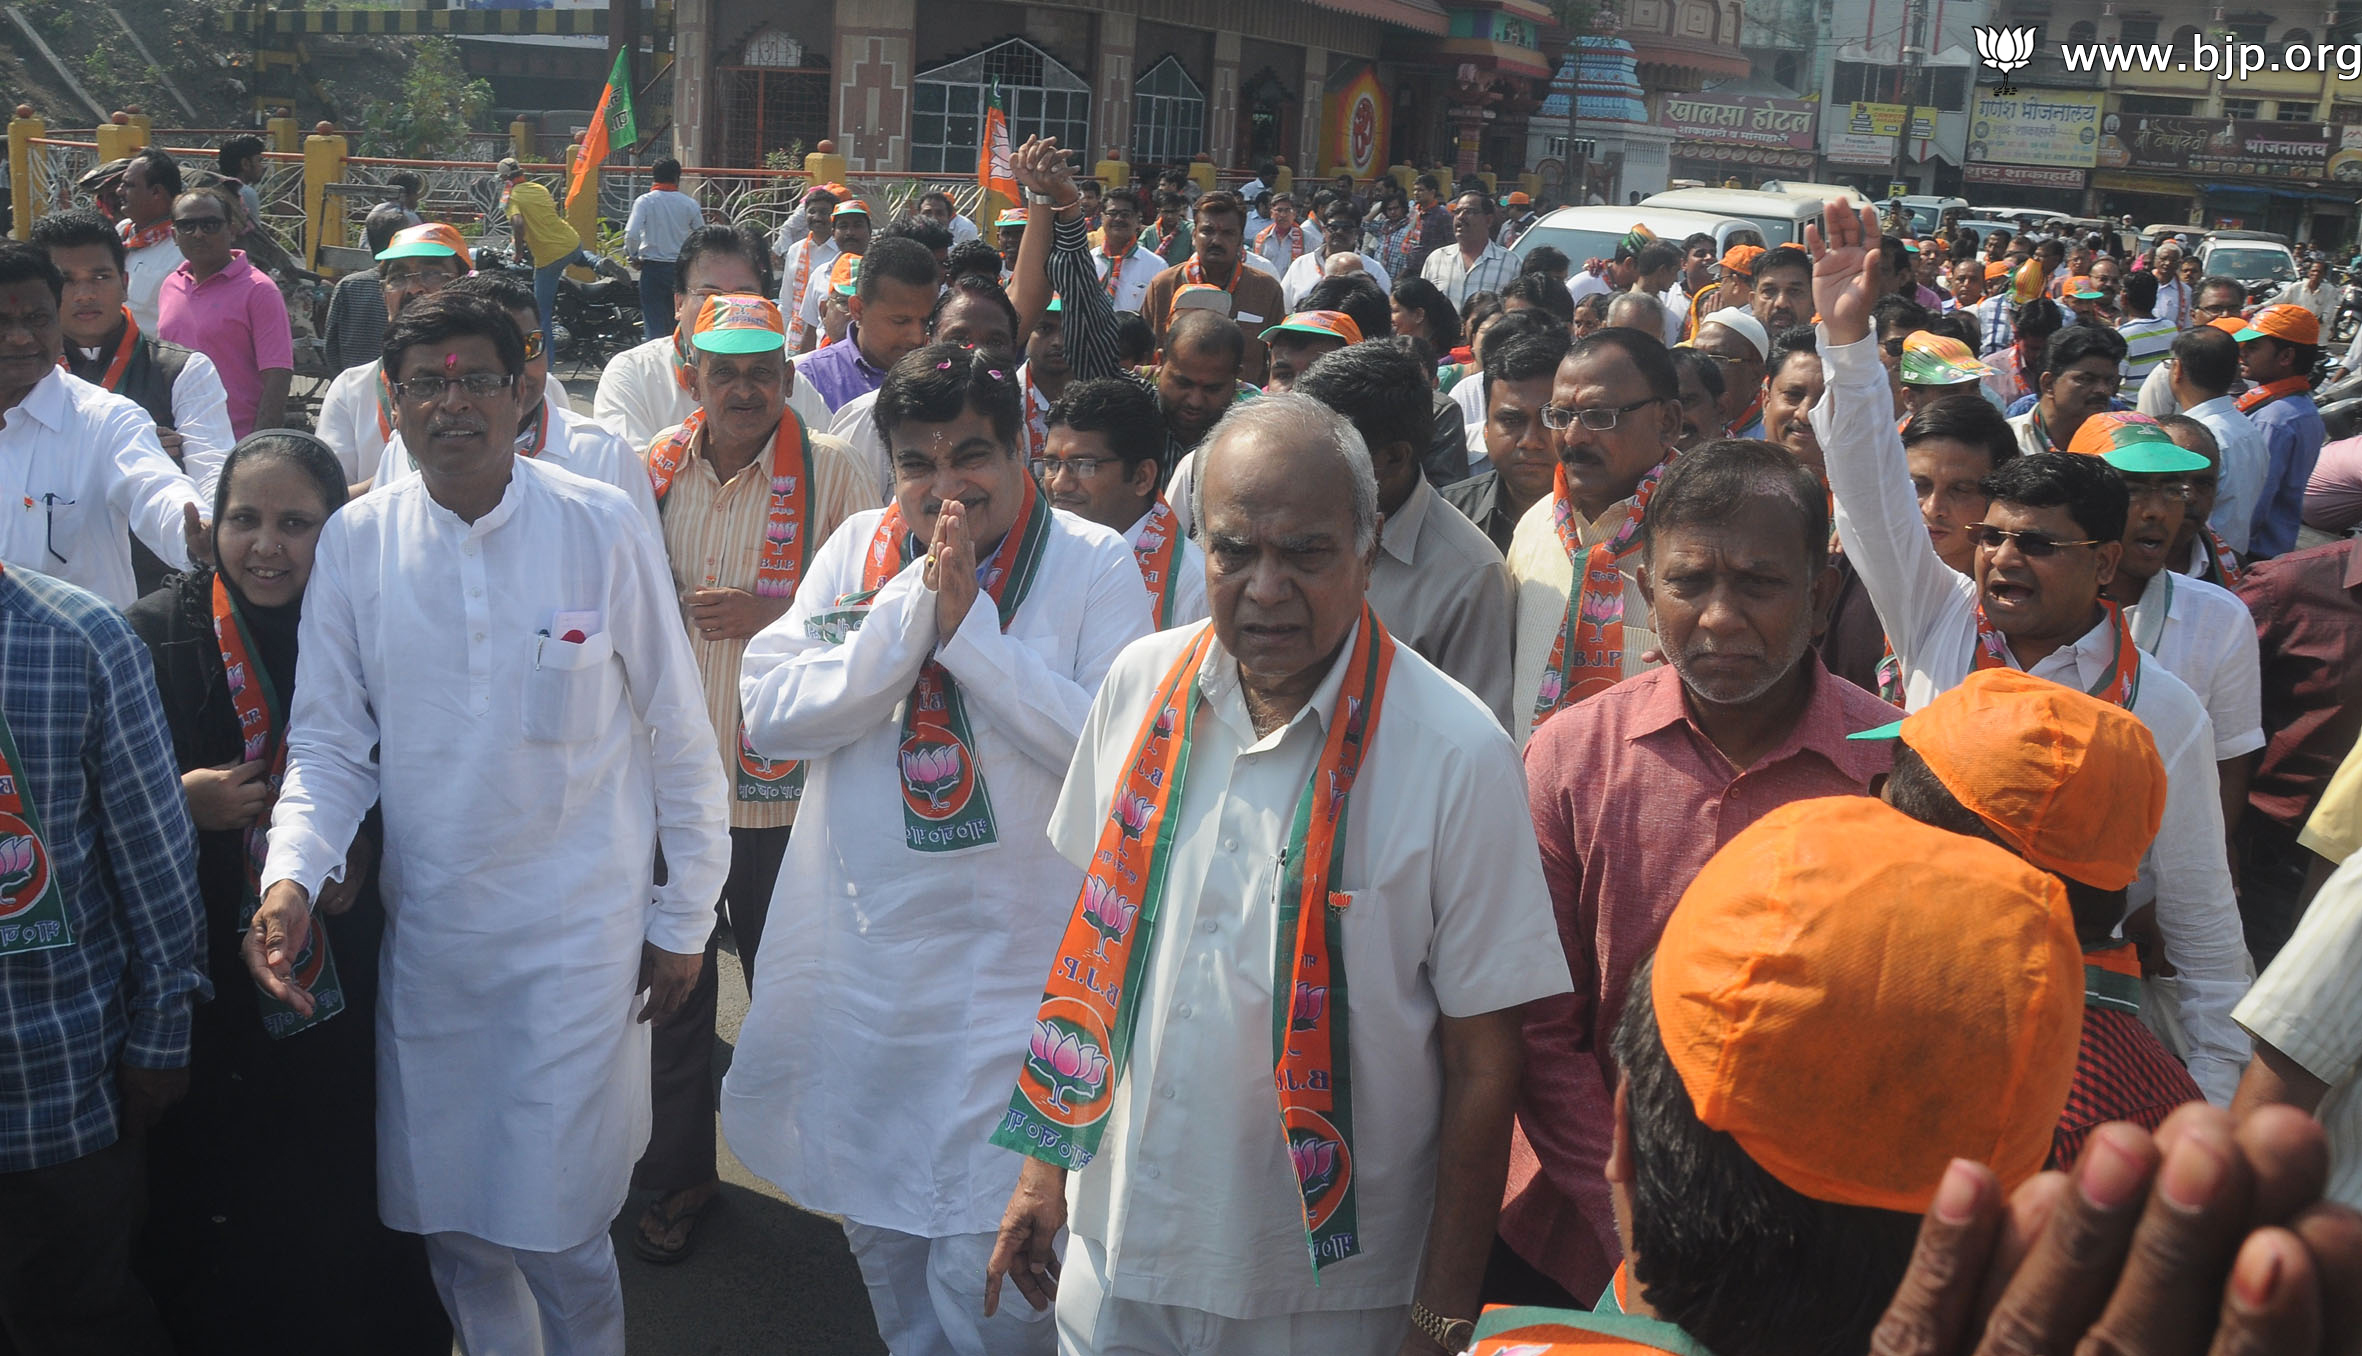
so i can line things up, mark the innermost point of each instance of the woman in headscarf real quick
(236, 1263)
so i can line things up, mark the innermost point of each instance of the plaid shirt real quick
(81, 704)
(1459, 279)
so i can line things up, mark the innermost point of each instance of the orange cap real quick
(1858, 999)
(1741, 258)
(1996, 269)
(2288, 324)
(2233, 326)
(427, 240)
(2072, 783)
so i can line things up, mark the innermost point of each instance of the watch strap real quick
(1454, 1335)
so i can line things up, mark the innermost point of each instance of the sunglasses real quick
(533, 345)
(198, 225)
(2031, 545)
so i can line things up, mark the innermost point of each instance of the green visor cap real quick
(738, 341)
(2152, 456)
(1893, 729)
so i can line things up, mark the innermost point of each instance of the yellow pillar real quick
(283, 135)
(1113, 174)
(1201, 172)
(1532, 184)
(1492, 182)
(117, 139)
(146, 129)
(24, 169)
(582, 211)
(1285, 180)
(520, 139)
(323, 164)
(1406, 175)
(821, 167)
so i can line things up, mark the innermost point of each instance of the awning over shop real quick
(2259, 192)
(1421, 16)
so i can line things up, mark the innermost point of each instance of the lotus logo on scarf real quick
(1316, 1163)
(1132, 811)
(24, 867)
(1553, 687)
(1067, 1064)
(19, 857)
(933, 770)
(1109, 913)
(1312, 1004)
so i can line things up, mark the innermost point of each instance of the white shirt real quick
(640, 396)
(1583, 283)
(1192, 1194)
(2246, 460)
(1930, 614)
(1543, 576)
(144, 272)
(2157, 399)
(1440, 586)
(1306, 272)
(586, 447)
(1189, 573)
(1459, 279)
(892, 1007)
(792, 301)
(2173, 302)
(201, 415)
(1280, 246)
(2321, 301)
(81, 472)
(2208, 640)
(1260, 264)
(661, 220)
(526, 784)
(348, 420)
(857, 425)
(1676, 304)
(2308, 1007)
(1131, 286)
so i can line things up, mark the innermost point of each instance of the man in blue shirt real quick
(662, 218)
(2276, 352)
(101, 960)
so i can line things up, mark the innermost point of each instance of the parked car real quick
(1780, 217)
(1928, 212)
(2261, 263)
(1592, 232)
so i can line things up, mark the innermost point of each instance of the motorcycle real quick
(589, 322)
(2349, 308)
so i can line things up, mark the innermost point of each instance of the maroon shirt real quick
(2308, 622)
(1630, 798)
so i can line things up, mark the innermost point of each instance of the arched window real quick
(1168, 115)
(2297, 37)
(947, 105)
(2083, 30)
(2184, 36)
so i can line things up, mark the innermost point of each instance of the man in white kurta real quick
(516, 659)
(1931, 614)
(1188, 1230)
(897, 984)
(356, 421)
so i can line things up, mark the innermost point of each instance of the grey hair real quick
(1290, 420)
(1636, 311)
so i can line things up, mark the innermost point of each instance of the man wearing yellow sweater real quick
(549, 237)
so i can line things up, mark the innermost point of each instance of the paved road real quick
(766, 1278)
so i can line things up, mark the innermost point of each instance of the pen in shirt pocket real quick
(540, 643)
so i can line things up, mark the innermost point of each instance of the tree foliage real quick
(440, 104)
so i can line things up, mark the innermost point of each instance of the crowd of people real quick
(1744, 802)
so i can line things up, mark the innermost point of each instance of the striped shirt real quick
(714, 534)
(2147, 341)
(97, 766)
(1459, 279)
(2308, 1007)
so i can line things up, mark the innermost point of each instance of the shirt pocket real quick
(572, 690)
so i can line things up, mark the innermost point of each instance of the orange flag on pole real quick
(611, 126)
(992, 155)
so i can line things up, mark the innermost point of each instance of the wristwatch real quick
(1454, 1335)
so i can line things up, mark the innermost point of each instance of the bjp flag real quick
(992, 153)
(610, 126)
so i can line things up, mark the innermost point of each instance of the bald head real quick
(1287, 505)
(1636, 311)
(1206, 334)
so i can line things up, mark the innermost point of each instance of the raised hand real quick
(1847, 278)
(1043, 167)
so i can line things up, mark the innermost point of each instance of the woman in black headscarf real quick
(236, 1262)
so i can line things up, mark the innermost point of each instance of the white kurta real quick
(526, 783)
(348, 421)
(898, 987)
(586, 447)
(1189, 573)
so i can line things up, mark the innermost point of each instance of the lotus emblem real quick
(19, 859)
(1066, 1063)
(933, 770)
(1132, 812)
(1316, 1163)
(1553, 686)
(2006, 50)
(1312, 1004)
(1108, 912)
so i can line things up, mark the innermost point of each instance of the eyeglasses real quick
(416, 277)
(1598, 420)
(426, 390)
(2031, 545)
(2160, 489)
(533, 345)
(1083, 467)
(199, 225)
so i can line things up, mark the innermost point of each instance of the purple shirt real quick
(237, 319)
(839, 372)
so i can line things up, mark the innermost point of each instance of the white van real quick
(1927, 212)
(1779, 216)
(1593, 232)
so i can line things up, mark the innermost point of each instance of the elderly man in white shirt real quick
(1287, 771)
(357, 414)
(936, 708)
(84, 465)
(2036, 605)
(492, 653)
(1472, 263)
(550, 431)
(644, 390)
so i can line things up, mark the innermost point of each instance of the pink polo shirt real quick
(1629, 799)
(237, 319)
